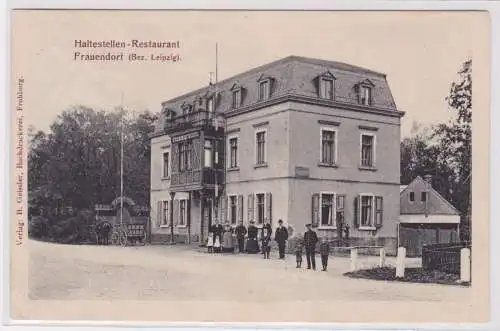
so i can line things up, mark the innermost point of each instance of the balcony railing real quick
(195, 119)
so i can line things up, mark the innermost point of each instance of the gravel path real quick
(66, 272)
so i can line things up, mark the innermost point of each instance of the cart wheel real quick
(115, 238)
(123, 238)
(143, 239)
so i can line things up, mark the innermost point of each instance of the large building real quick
(298, 139)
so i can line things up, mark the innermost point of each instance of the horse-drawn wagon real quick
(128, 234)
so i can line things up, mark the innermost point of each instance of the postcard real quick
(250, 166)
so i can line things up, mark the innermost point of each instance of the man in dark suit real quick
(310, 240)
(281, 236)
(241, 231)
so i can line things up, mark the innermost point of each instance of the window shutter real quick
(356, 213)
(379, 211)
(222, 208)
(315, 210)
(269, 208)
(159, 213)
(240, 208)
(176, 212)
(250, 207)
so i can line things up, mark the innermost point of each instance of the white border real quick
(492, 6)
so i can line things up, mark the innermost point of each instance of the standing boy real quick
(324, 251)
(310, 241)
(298, 253)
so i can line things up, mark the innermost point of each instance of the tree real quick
(77, 163)
(421, 156)
(455, 139)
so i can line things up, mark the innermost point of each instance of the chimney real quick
(428, 179)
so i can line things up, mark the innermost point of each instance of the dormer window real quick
(364, 89)
(265, 87)
(325, 85)
(366, 95)
(326, 88)
(210, 104)
(237, 95)
(237, 98)
(264, 90)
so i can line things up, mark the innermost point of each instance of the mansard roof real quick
(295, 75)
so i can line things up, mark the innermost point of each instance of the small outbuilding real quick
(426, 217)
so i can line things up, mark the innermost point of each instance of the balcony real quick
(201, 119)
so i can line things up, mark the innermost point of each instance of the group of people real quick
(220, 240)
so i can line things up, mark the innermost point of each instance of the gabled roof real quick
(436, 203)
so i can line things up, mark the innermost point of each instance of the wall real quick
(278, 142)
(305, 137)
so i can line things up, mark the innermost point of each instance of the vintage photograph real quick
(250, 166)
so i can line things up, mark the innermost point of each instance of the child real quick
(266, 248)
(217, 245)
(210, 242)
(324, 251)
(298, 253)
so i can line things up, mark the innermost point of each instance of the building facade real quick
(299, 139)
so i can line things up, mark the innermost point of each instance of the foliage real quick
(412, 275)
(444, 150)
(77, 164)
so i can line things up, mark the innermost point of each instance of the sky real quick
(420, 52)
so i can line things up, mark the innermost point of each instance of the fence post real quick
(465, 265)
(382, 258)
(354, 259)
(400, 262)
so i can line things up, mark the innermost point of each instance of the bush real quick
(413, 275)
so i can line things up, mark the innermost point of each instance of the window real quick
(233, 152)
(366, 95)
(326, 88)
(210, 104)
(261, 147)
(260, 204)
(208, 154)
(166, 165)
(236, 98)
(424, 196)
(165, 213)
(182, 212)
(233, 209)
(185, 155)
(182, 156)
(367, 150)
(264, 89)
(327, 209)
(366, 211)
(328, 146)
(412, 196)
